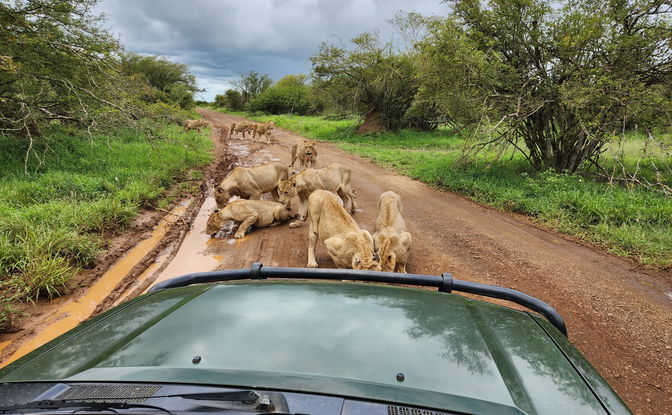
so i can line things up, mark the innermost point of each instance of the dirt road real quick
(618, 315)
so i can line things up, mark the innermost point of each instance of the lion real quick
(306, 153)
(334, 178)
(251, 182)
(347, 244)
(194, 125)
(241, 127)
(247, 213)
(391, 240)
(264, 129)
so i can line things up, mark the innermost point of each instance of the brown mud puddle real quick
(132, 270)
(194, 252)
(74, 311)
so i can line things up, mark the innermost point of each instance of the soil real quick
(619, 314)
(373, 123)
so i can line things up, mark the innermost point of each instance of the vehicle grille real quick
(404, 410)
(109, 393)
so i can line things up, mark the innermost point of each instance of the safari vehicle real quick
(307, 342)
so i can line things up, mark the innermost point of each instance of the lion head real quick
(286, 191)
(215, 223)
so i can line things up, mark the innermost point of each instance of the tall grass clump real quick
(54, 218)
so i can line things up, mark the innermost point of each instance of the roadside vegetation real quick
(89, 136)
(55, 220)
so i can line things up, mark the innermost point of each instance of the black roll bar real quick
(445, 283)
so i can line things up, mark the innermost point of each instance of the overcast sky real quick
(220, 39)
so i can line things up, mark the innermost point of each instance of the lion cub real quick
(347, 244)
(391, 240)
(257, 213)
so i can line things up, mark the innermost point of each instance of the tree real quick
(232, 99)
(372, 79)
(554, 80)
(173, 80)
(289, 95)
(252, 84)
(56, 64)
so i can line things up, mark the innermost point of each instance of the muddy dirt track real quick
(618, 315)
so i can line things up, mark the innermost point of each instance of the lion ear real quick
(293, 184)
(219, 190)
(356, 260)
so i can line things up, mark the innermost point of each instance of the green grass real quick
(54, 220)
(632, 222)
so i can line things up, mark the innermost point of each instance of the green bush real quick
(282, 100)
(231, 99)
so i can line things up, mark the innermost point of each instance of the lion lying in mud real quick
(391, 240)
(306, 153)
(264, 129)
(251, 182)
(194, 125)
(347, 244)
(247, 213)
(334, 178)
(241, 127)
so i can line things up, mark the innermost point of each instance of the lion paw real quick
(312, 264)
(295, 224)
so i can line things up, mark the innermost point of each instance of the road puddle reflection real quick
(77, 310)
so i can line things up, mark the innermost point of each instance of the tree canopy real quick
(252, 84)
(57, 65)
(372, 78)
(555, 80)
(290, 95)
(170, 81)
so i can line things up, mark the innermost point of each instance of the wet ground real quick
(619, 315)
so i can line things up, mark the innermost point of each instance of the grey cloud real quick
(221, 39)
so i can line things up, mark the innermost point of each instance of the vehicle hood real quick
(388, 343)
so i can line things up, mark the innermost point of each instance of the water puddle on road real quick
(196, 253)
(77, 310)
(193, 255)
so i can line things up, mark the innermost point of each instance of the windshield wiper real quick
(252, 401)
(80, 404)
